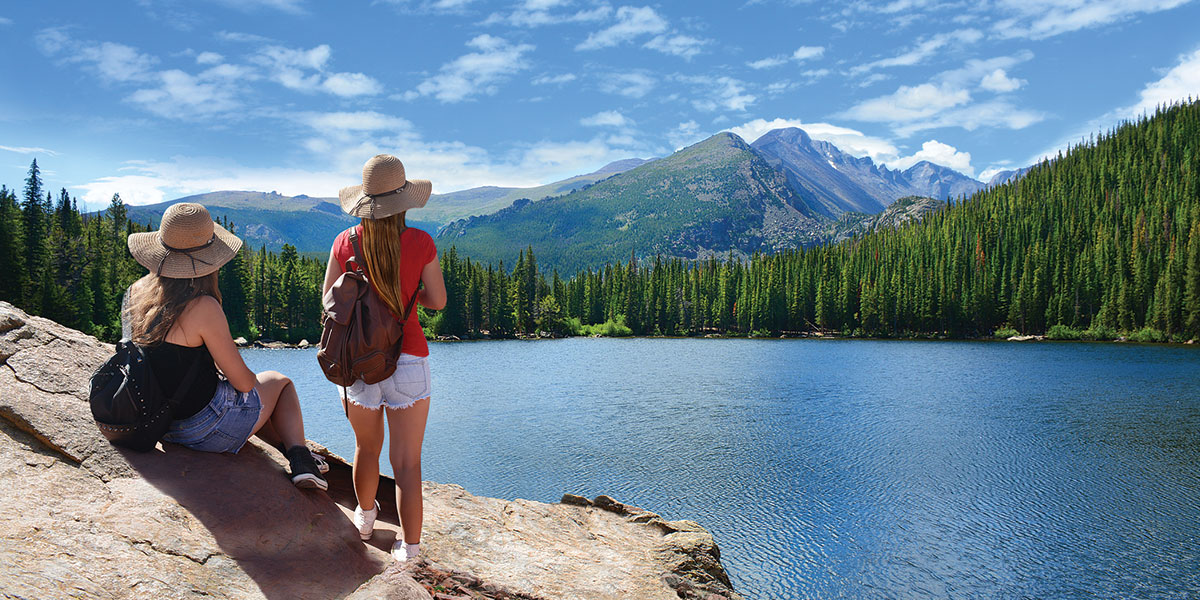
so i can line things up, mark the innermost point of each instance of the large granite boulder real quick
(82, 519)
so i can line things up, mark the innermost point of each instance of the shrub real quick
(1005, 332)
(610, 328)
(1099, 333)
(573, 326)
(1063, 332)
(1147, 334)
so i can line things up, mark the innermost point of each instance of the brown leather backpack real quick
(360, 339)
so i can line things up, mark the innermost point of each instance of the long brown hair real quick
(381, 246)
(155, 303)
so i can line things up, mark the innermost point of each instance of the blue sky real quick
(157, 99)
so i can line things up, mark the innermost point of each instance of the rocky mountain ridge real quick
(713, 197)
(835, 182)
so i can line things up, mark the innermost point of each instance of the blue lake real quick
(837, 468)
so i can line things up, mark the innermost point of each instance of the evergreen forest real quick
(1099, 242)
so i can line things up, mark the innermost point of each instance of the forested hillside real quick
(1101, 241)
(74, 268)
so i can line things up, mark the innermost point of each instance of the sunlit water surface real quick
(833, 469)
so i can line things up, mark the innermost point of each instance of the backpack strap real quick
(409, 308)
(356, 252)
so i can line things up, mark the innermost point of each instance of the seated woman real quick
(175, 314)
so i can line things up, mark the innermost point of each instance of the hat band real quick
(187, 251)
(386, 194)
(372, 197)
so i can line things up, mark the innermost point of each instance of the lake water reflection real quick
(834, 468)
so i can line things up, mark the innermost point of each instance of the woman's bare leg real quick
(368, 443)
(280, 406)
(407, 429)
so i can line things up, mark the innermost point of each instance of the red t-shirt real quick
(416, 251)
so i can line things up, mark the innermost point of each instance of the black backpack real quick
(127, 403)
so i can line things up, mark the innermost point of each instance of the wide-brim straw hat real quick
(187, 244)
(385, 191)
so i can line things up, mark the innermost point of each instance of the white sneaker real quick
(403, 552)
(364, 520)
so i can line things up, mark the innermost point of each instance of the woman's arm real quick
(332, 271)
(209, 320)
(433, 296)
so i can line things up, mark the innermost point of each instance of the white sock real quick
(412, 550)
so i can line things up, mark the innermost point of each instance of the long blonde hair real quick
(381, 247)
(155, 303)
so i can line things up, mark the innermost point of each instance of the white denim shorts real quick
(403, 389)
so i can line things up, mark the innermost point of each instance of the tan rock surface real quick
(81, 519)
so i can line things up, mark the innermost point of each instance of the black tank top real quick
(171, 362)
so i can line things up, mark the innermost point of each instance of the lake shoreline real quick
(270, 344)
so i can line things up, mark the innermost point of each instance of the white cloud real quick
(923, 50)
(685, 134)
(678, 45)
(289, 6)
(554, 79)
(170, 93)
(908, 103)
(294, 68)
(946, 100)
(1039, 19)
(994, 114)
(608, 118)
(306, 71)
(242, 38)
(1180, 83)
(990, 172)
(351, 84)
(999, 81)
(973, 71)
(28, 150)
(631, 85)
(801, 54)
(477, 72)
(113, 63)
(5, 21)
(354, 122)
(631, 23)
(804, 53)
(134, 190)
(937, 153)
(767, 63)
(181, 95)
(719, 93)
(209, 58)
(535, 13)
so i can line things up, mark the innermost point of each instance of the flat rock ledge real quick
(82, 519)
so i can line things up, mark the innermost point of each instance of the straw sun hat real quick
(187, 244)
(384, 190)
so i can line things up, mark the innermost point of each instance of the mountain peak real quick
(787, 135)
(620, 166)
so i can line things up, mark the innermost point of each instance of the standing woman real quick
(397, 260)
(175, 314)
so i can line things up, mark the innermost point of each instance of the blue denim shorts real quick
(403, 389)
(222, 426)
